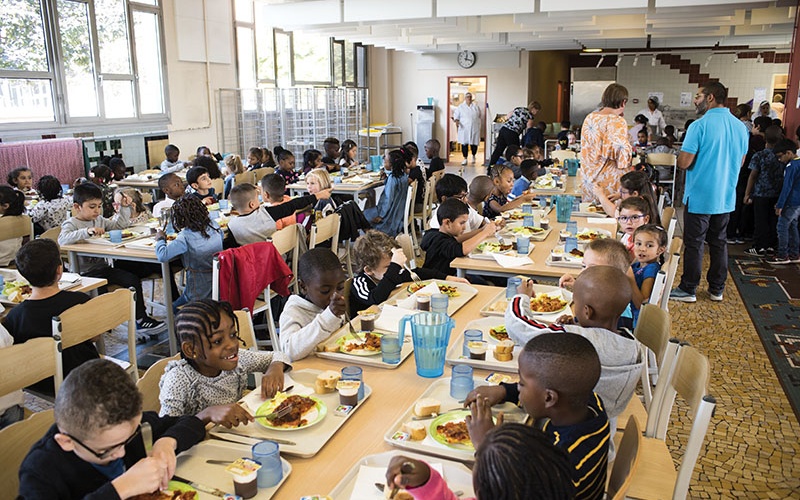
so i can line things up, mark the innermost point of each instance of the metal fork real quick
(350, 326)
(414, 276)
(276, 414)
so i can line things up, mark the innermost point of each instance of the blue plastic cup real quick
(523, 245)
(470, 336)
(64, 188)
(354, 373)
(563, 207)
(528, 221)
(439, 303)
(391, 346)
(337, 179)
(527, 208)
(213, 215)
(115, 235)
(461, 382)
(511, 286)
(267, 453)
(223, 204)
(570, 244)
(572, 227)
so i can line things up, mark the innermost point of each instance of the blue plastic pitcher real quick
(431, 333)
(377, 162)
(572, 165)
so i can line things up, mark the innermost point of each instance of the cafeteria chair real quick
(243, 178)
(259, 173)
(247, 332)
(15, 226)
(93, 318)
(148, 384)
(563, 154)
(673, 257)
(16, 369)
(659, 285)
(219, 187)
(52, 234)
(325, 229)
(405, 243)
(15, 441)
(656, 474)
(665, 164)
(408, 213)
(626, 461)
(288, 240)
(429, 200)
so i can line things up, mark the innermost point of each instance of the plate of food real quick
(499, 332)
(546, 181)
(176, 490)
(543, 303)
(369, 346)
(304, 412)
(534, 233)
(560, 258)
(126, 234)
(488, 249)
(588, 234)
(450, 429)
(17, 291)
(445, 288)
(513, 215)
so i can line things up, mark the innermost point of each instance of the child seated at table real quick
(453, 186)
(503, 180)
(601, 294)
(21, 179)
(312, 158)
(256, 223)
(286, 166)
(388, 214)
(319, 180)
(480, 188)
(349, 153)
(273, 186)
(53, 208)
(649, 245)
(442, 246)
(382, 268)
(101, 176)
(233, 167)
(96, 448)
(633, 212)
(312, 316)
(172, 186)
(633, 184)
(514, 461)
(211, 375)
(87, 201)
(605, 252)
(39, 262)
(416, 172)
(118, 168)
(140, 215)
(12, 204)
(432, 148)
(198, 239)
(200, 182)
(530, 170)
(172, 163)
(562, 402)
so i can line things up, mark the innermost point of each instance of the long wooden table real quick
(339, 188)
(394, 391)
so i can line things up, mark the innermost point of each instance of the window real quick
(311, 55)
(80, 61)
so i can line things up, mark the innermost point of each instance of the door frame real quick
(449, 115)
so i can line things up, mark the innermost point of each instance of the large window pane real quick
(361, 66)
(148, 62)
(25, 100)
(265, 51)
(118, 98)
(73, 19)
(22, 36)
(112, 35)
(283, 52)
(244, 11)
(312, 58)
(338, 64)
(349, 64)
(246, 58)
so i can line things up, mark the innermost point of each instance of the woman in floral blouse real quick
(605, 149)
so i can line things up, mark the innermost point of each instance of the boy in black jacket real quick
(96, 448)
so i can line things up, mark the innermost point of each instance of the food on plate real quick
(297, 408)
(126, 233)
(576, 254)
(213, 207)
(504, 350)
(371, 342)
(499, 332)
(546, 181)
(495, 247)
(389, 492)
(449, 290)
(594, 209)
(454, 432)
(326, 381)
(527, 231)
(498, 306)
(17, 290)
(373, 309)
(515, 215)
(426, 407)
(167, 495)
(544, 303)
(588, 235)
(416, 430)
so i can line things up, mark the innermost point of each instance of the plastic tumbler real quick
(570, 244)
(471, 336)
(563, 207)
(354, 373)
(523, 245)
(115, 235)
(528, 220)
(390, 349)
(511, 286)
(337, 180)
(572, 227)
(439, 303)
(461, 382)
(223, 204)
(527, 208)
(213, 215)
(267, 453)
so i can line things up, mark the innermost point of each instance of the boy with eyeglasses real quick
(97, 446)
(633, 212)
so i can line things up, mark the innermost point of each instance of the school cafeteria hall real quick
(376, 114)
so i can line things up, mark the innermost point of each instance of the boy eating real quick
(172, 163)
(562, 402)
(453, 186)
(172, 186)
(432, 148)
(200, 182)
(274, 188)
(96, 447)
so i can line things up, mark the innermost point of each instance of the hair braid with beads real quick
(201, 317)
(190, 212)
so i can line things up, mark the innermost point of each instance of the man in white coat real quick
(468, 120)
(655, 120)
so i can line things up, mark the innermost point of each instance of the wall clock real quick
(466, 59)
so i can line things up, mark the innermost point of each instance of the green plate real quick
(182, 487)
(269, 406)
(453, 416)
(348, 339)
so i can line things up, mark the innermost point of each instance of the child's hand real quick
(377, 220)
(208, 200)
(457, 279)
(160, 235)
(499, 223)
(146, 476)
(565, 319)
(164, 450)
(96, 231)
(125, 200)
(566, 281)
(404, 472)
(272, 381)
(480, 421)
(490, 228)
(324, 194)
(599, 191)
(526, 287)
(337, 305)
(494, 394)
(226, 415)
(399, 257)
(528, 196)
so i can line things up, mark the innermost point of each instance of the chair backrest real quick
(689, 378)
(662, 159)
(148, 384)
(666, 216)
(652, 330)
(15, 226)
(325, 229)
(659, 285)
(626, 461)
(408, 214)
(259, 173)
(405, 243)
(246, 330)
(438, 175)
(288, 240)
(15, 441)
(243, 178)
(219, 186)
(95, 317)
(672, 270)
(428, 201)
(16, 372)
(51, 234)
(562, 154)
(670, 225)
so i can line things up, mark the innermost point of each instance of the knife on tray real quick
(220, 434)
(201, 487)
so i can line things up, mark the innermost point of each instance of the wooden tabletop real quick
(341, 188)
(86, 285)
(394, 391)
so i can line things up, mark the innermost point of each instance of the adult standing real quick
(712, 154)
(517, 121)
(605, 149)
(655, 119)
(468, 120)
(764, 109)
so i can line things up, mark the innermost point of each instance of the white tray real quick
(374, 360)
(440, 390)
(192, 466)
(454, 353)
(478, 254)
(590, 214)
(457, 476)
(307, 441)
(143, 243)
(492, 308)
(102, 240)
(467, 293)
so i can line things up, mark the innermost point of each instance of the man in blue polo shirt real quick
(712, 154)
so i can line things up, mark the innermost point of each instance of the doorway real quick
(457, 87)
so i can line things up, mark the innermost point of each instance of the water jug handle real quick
(401, 326)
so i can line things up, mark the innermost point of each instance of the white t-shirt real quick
(161, 205)
(474, 221)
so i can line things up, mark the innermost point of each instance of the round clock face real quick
(466, 59)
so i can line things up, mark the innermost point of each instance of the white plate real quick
(497, 306)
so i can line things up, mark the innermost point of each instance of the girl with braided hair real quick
(387, 215)
(199, 238)
(211, 375)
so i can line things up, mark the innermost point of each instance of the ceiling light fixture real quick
(736, 58)
(636, 59)
(600, 62)
(619, 60)
(759, 58)
(708, 60)
(592, 50)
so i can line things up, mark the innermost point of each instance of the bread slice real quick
(503, 356)
(326, 382)
(426, 407)
(415, 429)
(399, 495)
